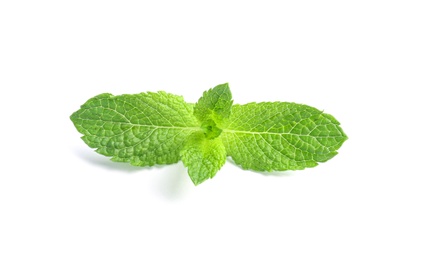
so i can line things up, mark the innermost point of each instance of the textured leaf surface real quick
(203, 157)
(143, 129)
(280, 136)
(161, 128)
(215, 104)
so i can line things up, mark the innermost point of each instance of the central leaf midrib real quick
(168, 127)
(272, 133)
(141, 125)
(260, 133)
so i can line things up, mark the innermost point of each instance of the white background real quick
(360, 61)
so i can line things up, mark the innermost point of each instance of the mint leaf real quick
(204, 152)
(144, 129)
(161, 128)
(214, 105)
(280, 136)
(203, 157)
(212, 108)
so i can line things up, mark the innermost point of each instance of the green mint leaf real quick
(161, 128)
(215, 104)
(144, 129)
(280, 136)
(203, 157)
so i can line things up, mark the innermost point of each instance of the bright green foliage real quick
(212, 108)
(203, 157)
(143, 129)
(215, 104)
(204, 153)
(161, 128)
(280, 136)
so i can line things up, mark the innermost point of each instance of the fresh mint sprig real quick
(160, 128)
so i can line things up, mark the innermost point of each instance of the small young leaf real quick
(203, 157)
(215, 104)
